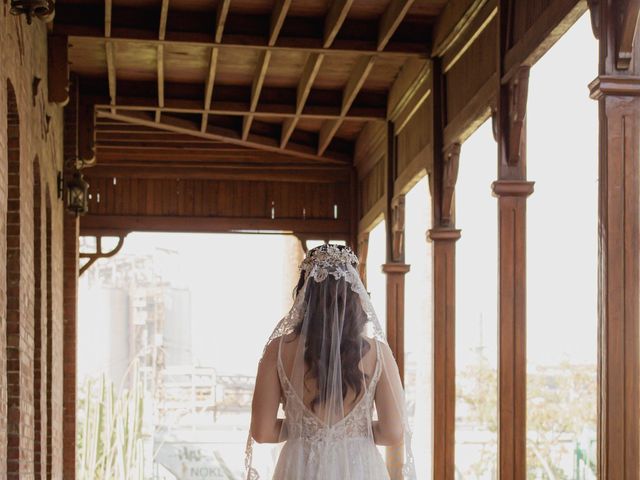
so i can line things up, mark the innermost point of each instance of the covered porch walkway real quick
(309, 117)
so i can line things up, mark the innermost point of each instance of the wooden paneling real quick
(471, 71)
(370, 146)
(524, 16)
(372, 188)
(216, 198)
(414, 137)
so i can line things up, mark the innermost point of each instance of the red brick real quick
(31, 374)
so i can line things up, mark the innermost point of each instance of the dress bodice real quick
(305, 425)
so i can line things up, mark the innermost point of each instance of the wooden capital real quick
(396, 268)
(512, 188)
(443, 234)
(615, 85)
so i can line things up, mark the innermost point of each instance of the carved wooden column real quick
(395, 270)
(512, 190)
(443, 234)
(617, 90)
(444, 237)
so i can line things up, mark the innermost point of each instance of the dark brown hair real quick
(327, 295)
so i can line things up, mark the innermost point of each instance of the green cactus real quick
(110, 430)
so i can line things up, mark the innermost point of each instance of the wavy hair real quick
(329, 295)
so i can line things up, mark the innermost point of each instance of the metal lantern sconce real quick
(32, 8)
(77, 200)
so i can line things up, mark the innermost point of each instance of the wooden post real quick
(395, 270)
(512, 190)
(70, 305)
(617, 90)
(444, 235)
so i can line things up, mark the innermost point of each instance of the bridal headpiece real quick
(329, 259)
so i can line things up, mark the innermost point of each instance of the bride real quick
(327, 363)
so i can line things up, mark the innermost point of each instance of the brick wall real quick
(31, 249)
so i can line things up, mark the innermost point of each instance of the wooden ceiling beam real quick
(345, 48)
(109, 52)
(391, 20)
(332, 24)
(275, 101)
(285, 112)
(259, 172)
(335, 18)
(179, 125)
(221, 18)
(277, 20)
(160, 75)
(79, 20)
(389, 23)
(108, 225)
(309, 73)
(162, 32)
(351, 90)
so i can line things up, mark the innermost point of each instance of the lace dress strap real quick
(377, 372)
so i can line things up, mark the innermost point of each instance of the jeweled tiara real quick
(329, 255)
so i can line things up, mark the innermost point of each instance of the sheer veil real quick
(331, 354)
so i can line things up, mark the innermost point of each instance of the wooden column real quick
(444, 235)
(395, 270)
(617, 90)
(512, 190)
(70, 302)
(71, 229)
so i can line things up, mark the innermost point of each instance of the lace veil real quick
(331, 356)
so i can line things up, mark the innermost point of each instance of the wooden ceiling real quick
(239, 82)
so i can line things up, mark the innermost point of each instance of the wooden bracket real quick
(627, 22)
(594, 10)
(99, 253)
(86, 132)
(58, 69)
(397, 228)
(517, 108)
(449, 178)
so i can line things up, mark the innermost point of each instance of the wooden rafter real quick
(342, 49)
(110, 55)
(351, 90)
(75, 19)
(309, 73)
(162, 32)
(221, 18)
(333, 21)
(389, 23)
(178, 125)
(286, 112)
(277, 20)
(335, 18)
(391, 20)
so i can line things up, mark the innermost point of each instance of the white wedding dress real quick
(317, 451)
(328, 403)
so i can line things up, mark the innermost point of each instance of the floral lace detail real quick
(305, 425)
(331, 260)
